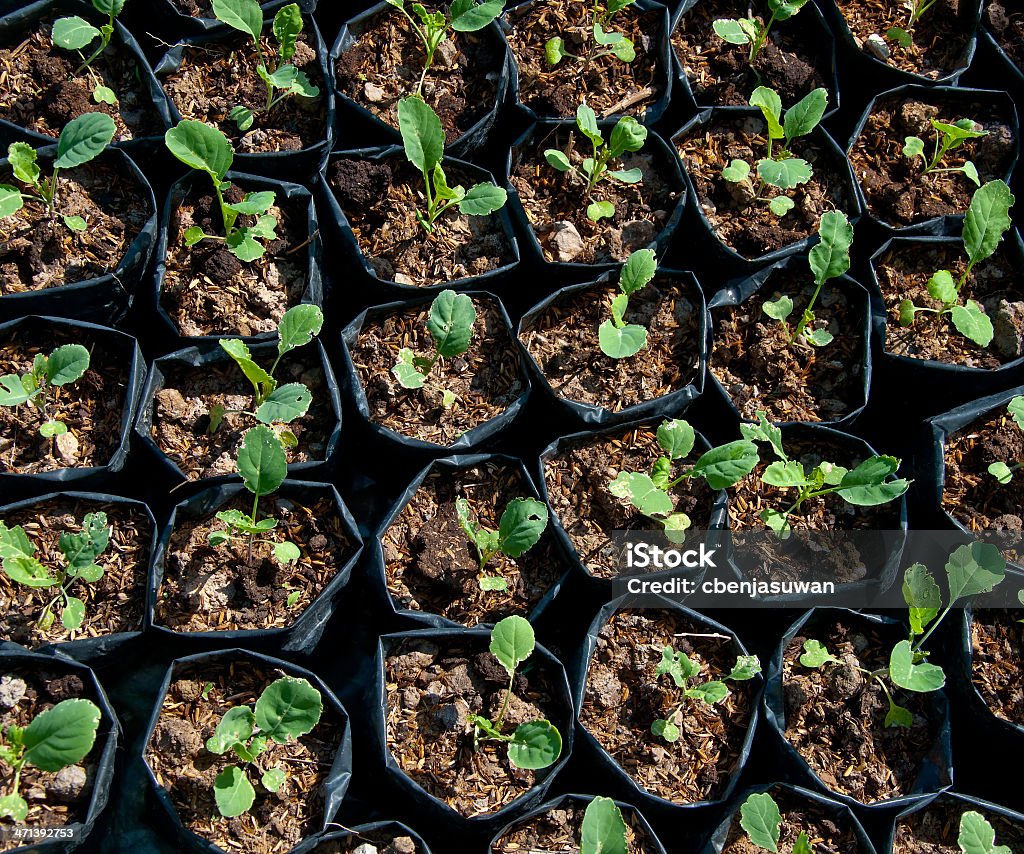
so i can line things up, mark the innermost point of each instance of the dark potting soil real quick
(42, 92)
(91, 408)
(609, 85)
(564, 342)
(1005, 19)
(793, 61)
(559, 831)
(577, 483)
(194, 705)
(208, 291)
(430, 692)
(740, 221)
(181, 417)
(430, 565)
(835, 714)
(896, 187)
(903, 273)
(760, 368)
(38, 252)
(556, 203)
(113, 604)
(381, 842)
(380, 200)
(935, 829)
(624, 696)
(233, 588)
(385, 62)
(997, 646)
(827, 832)
(195, 8)
(485, 379)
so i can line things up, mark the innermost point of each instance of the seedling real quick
(1003, 472)
(82, 140)
(828, 259)
(683, 670)
(761, 819)
(867, 485)
(977, 836)
(916, 9)
(618, 339)
(281, 79)
(451, 326)
(288, 709)
(751, 31)
(948, 137)
(464, 16)
(75, 33)
(986, 221)
(603, 830)
(779, 169)
(22, 566)
(721, 467)
(606, 42)
(207, 149)
(66, 364)
(519, 529)
(627, 135)
(971, 569)
(534, 744)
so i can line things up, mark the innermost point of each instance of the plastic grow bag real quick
(370, 832)
(950, 797)
(177, 24)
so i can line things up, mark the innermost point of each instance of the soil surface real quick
(835, 715)
(208, 291)
(577, 484)
(759, 368)
(935, 829)
(37, 252)
(379, 842)
(92, 408)
(113, 604)
(385, 61)
(430, 693)
(827, 831)
(610, 86)
(564, 343)
(624, 696)
(42, 92)
(194, 705)
(430, 564)
(485, 379)
(903, 273)
(897, 189)
(1005, 20)
(380, 200)
(997, 646)
(556, 202)
(558, 831)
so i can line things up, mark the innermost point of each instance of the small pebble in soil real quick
(12, 691)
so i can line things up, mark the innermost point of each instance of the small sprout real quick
(606, 42)
(207, 688)
(450, 324)
(751, 31)
(977, 836)
(56, 738)
(627, 135)
(22, 566)
(603, 830)
(534, 744)
(66, 364)
(618, 339)
(519, 530)
(986, 221)
(293, 598)
(288, 709)
(902, 36)
(721, 467)
(682, 669)
(948, 137)
(423, 139)
(76, 33)
(1003, 472)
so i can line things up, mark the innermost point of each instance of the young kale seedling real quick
(423, 139)
(761, 819)
(721, 467)
(986, 221)
(207, 149)
(22, 566)
(977, 836)
(829, 258)
(281, 78)
(66, 364)
(606, 42)
(683, 669)
(867, 485)
(971, 569)
(780, 169)
(519, 530)
(948, 137)
(1001, 471)
(451, 326)
(83, 139)
(288, 709)
(627, 135)
(464, 16)
(603, 830)
(916, 9)
(751, 31)
(618, 339)
(534, 744)
(56, 738)
(75, 33)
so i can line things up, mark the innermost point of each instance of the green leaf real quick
(243, 117)
(512, 642)
(67, 364)
(193, 235)
(830, 257)
(287, 26)
(973, 569)
(104, 95)
(201, 147)
(666, 730)
(638, 271)
(725, 465)
(770, 104)
(971, 171)
(422, 134)
(1016, 410)
(405, 370)
(746, 667)
(942, 287)
(913, 146)
(62, 735)
(764, 431)
(805, 114)
(535, 745)
(642, 493)
(907, 312)
(73, 33)
(265, 228)
(19, 559)
(285, 404)
(802, 844)
(781, 205)
(897, 716)
(467, 16)
(958, 132)
(597, 211)
(586, 121)
(621, 342)
(761, 819)
(261, 461)
(21, 157)
(914, 677)
(482, 200)
(75, 223)
(14, 807)
(254, 203)
(11, 200)
(606, 38)
(557, 159)
(110, 8)
(493, 584)
(784, 174)
(298, 327)
(676, 525)
(866, 485)
(922, 596)
(521, 525)
(84, 138)
(243, 245)
(451, 322)
(785, 10)
(293, 598)
(603, 830)
(709, 692)
(1001, 472)
(243, 15)
(236, 726)
(987, 220)
(678, 665)
(778, 309)
(232, 790)
(972, 322)
(273, 779)
(288, 708)
(815, 654)
(977, 836)
(676, 438)
(785, 474)
(554, 51)
(53, 428)
(262, 382)
(900, 36)
(627, 135)
(736, 171)
(731, 31)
